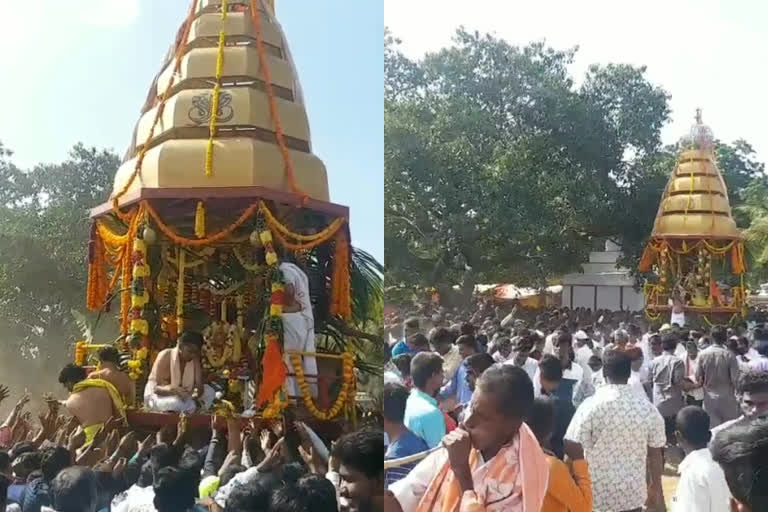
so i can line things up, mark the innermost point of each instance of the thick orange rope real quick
(273, 105)
(158, 114)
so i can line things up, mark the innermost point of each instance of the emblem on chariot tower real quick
(202, 106)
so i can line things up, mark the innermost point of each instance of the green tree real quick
(496, 162)
(43, 235)
(499, 168)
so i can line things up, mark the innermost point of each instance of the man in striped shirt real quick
(402, 442)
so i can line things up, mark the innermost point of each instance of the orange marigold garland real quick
(264, 68)
(340, 287)
(97, 288)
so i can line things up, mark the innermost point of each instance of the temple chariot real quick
(695, 253)
(218, 188)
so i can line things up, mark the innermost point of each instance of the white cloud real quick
(705, 53)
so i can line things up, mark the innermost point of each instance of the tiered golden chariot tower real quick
(218, 184)
(696, 251)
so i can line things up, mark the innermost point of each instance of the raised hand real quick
(146, 445)
(164, 434)
(181, 430)
(23, 401)
(119, 467)
(100, 436)
(76, 440)
(4, 392)
(265, 440)
(333, 463)
(312, 459)
(112, 441)
(127, 444)
(273, 458)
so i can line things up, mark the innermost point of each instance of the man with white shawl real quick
(491, 463)
(176, 381)
(298, 326)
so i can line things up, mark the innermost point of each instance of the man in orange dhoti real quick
(492, 463)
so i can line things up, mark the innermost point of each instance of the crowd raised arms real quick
(58, 465)
(614, 398)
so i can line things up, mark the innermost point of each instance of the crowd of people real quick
(573, 410)
(82, 456)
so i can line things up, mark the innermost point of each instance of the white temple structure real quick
(602, 285)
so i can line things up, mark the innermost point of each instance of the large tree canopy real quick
(498, 167)
(43, 231)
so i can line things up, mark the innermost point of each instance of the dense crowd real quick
(573, 410)
(231, 467)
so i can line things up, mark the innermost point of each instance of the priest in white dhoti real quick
(176, 381)
(298, 326)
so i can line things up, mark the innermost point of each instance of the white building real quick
(602, 285)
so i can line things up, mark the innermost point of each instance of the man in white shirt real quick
(576, 382)
(583, 350)
(520, 357)
(702, 486)
(442, 341)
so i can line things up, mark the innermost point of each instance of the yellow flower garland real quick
(275, 224)
(255, 268)
(348, 364)
(81, 352)
(276, 405)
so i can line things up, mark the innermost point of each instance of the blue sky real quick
(78, 71)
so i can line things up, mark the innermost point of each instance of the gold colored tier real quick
(189, 110)
(695, 201)
(245, 150)
(241, 65)
(241, 162)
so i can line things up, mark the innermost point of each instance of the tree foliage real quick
(43, 234)
(500, 168)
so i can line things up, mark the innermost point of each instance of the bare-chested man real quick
(110, 371)
(176, 381)
(90, 401)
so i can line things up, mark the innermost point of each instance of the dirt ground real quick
(670, 477)
(669, 484)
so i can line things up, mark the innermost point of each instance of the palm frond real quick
(367, 285)
(83, 324)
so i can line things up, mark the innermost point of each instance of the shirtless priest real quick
(176, 381)
(109, 360)
(93, 401)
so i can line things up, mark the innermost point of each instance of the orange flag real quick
(273, 369)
